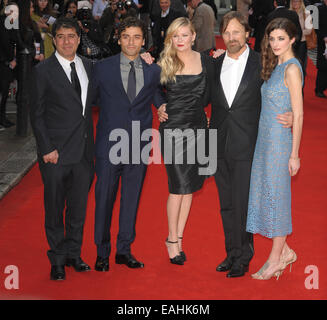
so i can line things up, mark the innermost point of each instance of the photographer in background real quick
(91, 45)
(110, 21)
(70, 9)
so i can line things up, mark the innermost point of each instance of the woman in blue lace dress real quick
(276, 156)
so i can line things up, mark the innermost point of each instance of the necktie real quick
(75, 81)
(131, 85)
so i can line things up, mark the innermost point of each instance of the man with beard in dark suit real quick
(61, 118)
(236, 106)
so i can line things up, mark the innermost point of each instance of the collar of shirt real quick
(280, 7)
(125, 61)
(164, 14)
(66, 63)
(243, 57)
(81, 73)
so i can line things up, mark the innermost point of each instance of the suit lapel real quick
(222, 96)
(88, 68)
(60, 74)
(116, 70)
(146, 77)
(246, 79)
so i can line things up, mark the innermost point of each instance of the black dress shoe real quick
(237, 271)
(224, 266)
(320, 94)
(129, 261)
(78, 264)
(57, 273)
(102, 264)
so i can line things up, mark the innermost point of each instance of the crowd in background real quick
(26, 41)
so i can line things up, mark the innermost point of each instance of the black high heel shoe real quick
(177, 259)
(182, 253)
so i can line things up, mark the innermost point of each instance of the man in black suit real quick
(236, 106)
(281, 11)
(259, 12)
(61, 119)
(154, 7)
(161, 22)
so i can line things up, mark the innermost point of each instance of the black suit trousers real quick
(108, 176)
(65, 186)
(233, 182)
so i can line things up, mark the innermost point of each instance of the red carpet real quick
(23, 242)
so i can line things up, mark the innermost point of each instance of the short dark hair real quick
(281, 3)
(131, 22)
(233, 15)
(64, 22)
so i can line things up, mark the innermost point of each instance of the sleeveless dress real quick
(180, 134)
(269, 208)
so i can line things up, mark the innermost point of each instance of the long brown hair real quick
(268, 59)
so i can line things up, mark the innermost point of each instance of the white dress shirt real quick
(164, 13)
(231, 74)
(81, 73)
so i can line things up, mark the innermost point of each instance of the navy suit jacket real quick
(116, 111)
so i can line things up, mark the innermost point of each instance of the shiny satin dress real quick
(183, 132)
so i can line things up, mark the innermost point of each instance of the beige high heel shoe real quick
(276, 271)
(289, 259)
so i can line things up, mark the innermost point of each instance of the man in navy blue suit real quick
(126, 88)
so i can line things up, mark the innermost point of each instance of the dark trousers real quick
(65, 185)
(302, 54)
(24, 69)
(108, 176)
(233, 182)
(6, 79)
(321, 80)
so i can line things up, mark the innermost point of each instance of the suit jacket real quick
(238, 126)
(158, 27)
(176, 5)
(289, 14)
(56, 113)
(204, 23)
(116, 111)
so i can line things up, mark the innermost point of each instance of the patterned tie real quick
(75, 81)
(131, 85)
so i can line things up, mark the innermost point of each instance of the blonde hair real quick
(302, 8)
(169, 62)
